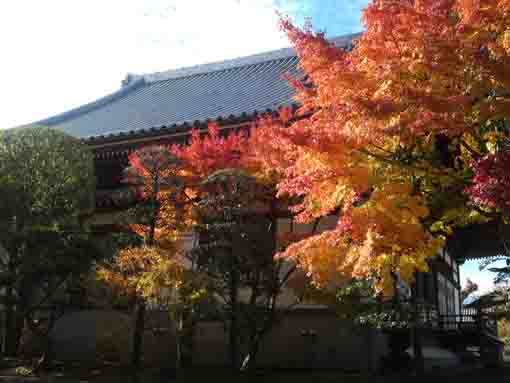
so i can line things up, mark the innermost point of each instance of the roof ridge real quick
(344, 41)
(214, 66)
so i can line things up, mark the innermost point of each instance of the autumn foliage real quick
(402, 138)
(491, 181)
(159, 218)
(204, 155)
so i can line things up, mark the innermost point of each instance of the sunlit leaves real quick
(143, 271)
(402, 137)
(204, 155)
(390, 134)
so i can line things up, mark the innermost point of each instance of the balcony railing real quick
(425, 315)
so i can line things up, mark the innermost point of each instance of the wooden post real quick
(138, 335)
(416, 336)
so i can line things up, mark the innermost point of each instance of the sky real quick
(483, 278)
(60, 54)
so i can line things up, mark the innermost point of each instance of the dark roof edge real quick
(178, 129)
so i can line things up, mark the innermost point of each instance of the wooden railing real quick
(470, 321)
(427, 316)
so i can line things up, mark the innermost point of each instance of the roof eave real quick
(179, 129)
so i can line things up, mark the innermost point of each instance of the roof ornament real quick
(128, 80)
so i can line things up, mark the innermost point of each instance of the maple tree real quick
(235, 220)
(491, 181)
(205, 154)
(401, 136)
(202, 187)
(153, 272)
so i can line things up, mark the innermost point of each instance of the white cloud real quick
(58, 54)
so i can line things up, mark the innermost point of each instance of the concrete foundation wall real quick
(304, 338)
(318, 339)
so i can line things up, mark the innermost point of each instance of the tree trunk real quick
(418, 351)
(258, 333)
(416, 336)
(234, 319)
(46, 360)
(10, 342)
(178, 341)
(11, 330)
(187, 338)
(138, 335)
(249, 361)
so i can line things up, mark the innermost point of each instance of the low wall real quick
(318, 339)
(303, 338)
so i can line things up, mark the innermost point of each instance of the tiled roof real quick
(479, 241)
(184, 96)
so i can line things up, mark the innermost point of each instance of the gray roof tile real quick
(202, 92)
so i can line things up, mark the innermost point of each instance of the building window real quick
(447, 258)
(457, 301)
(448, 297)
(430, 295)
(455, 271)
